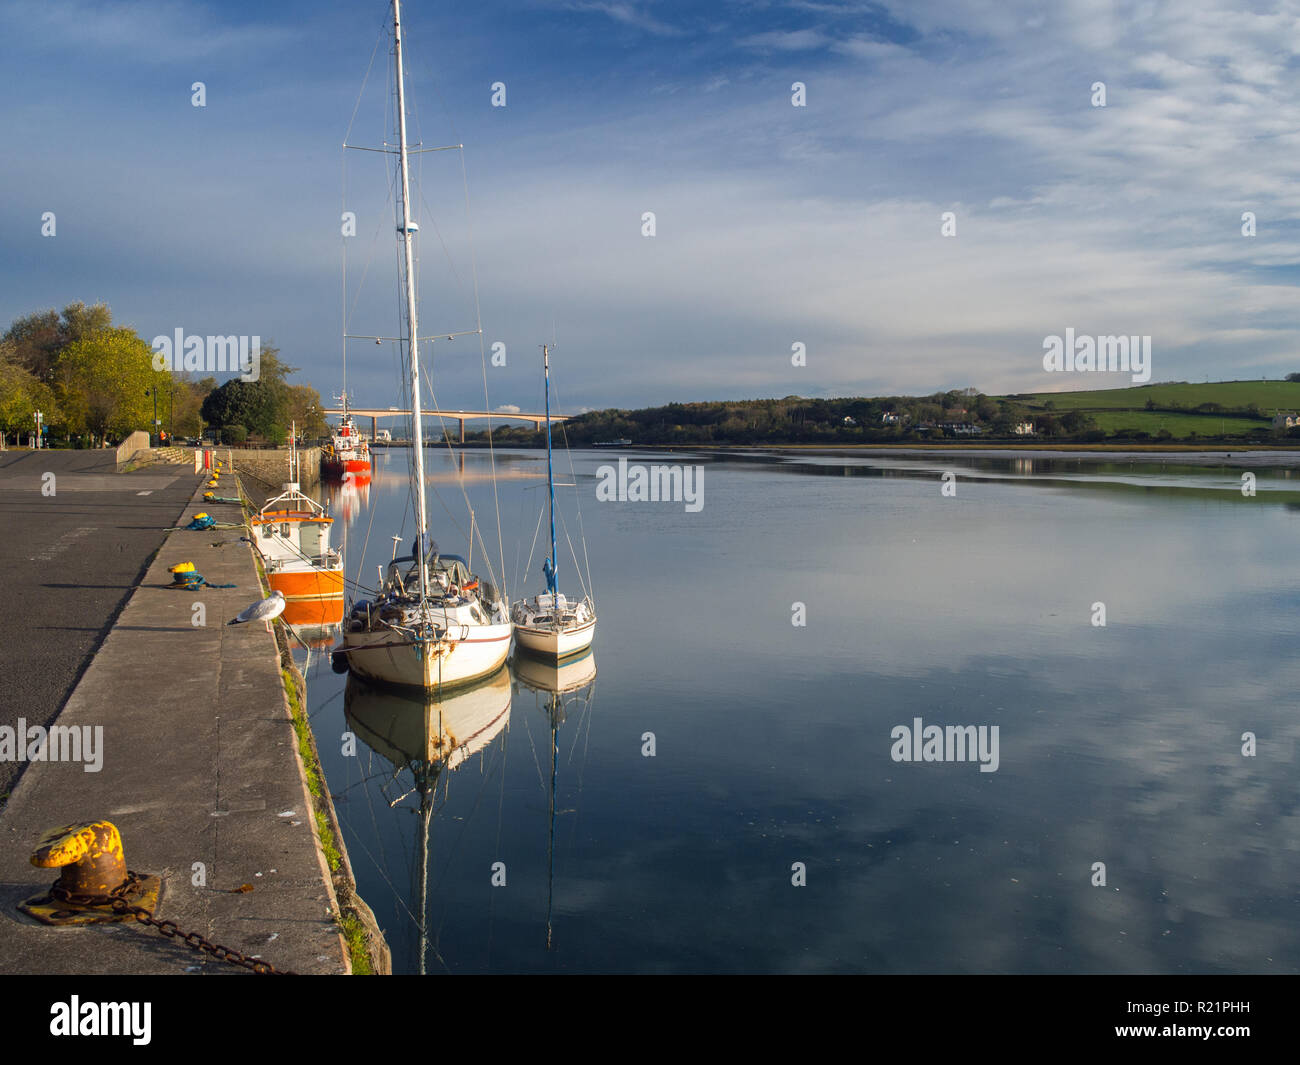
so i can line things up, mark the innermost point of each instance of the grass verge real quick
(366, 949)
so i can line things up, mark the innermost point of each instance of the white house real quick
(1285, 421)
(1024, 429)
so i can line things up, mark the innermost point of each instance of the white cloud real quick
(786, 40)
(630, 14)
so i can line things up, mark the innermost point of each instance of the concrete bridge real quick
(462, 416)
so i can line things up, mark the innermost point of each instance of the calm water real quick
(1119, 744)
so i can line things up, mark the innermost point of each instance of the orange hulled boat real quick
(292, 534)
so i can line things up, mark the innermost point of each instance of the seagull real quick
(263, 610)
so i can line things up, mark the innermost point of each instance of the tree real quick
(22, 394)
(244, 403)
(262, 407)
(101, 381)
(304, 408)
(38, 338)
(184, 401)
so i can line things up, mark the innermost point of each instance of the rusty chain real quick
(116, 900)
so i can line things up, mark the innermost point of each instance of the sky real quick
(775, 225)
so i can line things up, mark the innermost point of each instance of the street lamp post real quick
(153, 431)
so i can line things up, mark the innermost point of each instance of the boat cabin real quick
(293, 530)
(447, 574)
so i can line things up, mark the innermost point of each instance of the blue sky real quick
(775, 224)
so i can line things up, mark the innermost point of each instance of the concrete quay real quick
(200, 767)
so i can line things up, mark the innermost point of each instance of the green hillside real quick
(1231, 412)
(1267, 396)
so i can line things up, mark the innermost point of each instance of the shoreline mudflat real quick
(1280, 457)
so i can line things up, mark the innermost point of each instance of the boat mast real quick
(413, 340)
(552, 582)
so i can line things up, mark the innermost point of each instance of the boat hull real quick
(335, 469)
(385, 658)
(314, 613)
(552, 644)
(308, 585)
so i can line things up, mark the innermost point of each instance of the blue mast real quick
(548, 567)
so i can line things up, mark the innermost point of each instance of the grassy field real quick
(1269, 396)
(1116, 409)
(1181, 425)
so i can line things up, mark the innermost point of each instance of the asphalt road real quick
(68, 561)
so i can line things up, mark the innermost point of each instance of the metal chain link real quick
(116, 900)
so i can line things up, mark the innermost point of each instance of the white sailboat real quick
(433, 624)
(550, 624)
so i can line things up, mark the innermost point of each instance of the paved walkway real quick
(199, 766)
(68, 561)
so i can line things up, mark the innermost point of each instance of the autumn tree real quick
(101, 382)
(305, 410)
(38, 338)
(22, 394)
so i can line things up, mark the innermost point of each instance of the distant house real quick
(963, 428)
(1024, 429)
(849, 421)
(891, 418)
(1286, 421)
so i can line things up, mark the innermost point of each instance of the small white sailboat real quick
(550, 624)
(433, 623)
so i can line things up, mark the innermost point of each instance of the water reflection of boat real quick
(311, 631)
(544, 675)
(564, 687)
(427, 734)
(351, 494)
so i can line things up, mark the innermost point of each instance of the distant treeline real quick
(964, 415)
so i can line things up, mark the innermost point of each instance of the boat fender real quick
(339, 661)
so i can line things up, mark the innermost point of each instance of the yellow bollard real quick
(93, 873)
